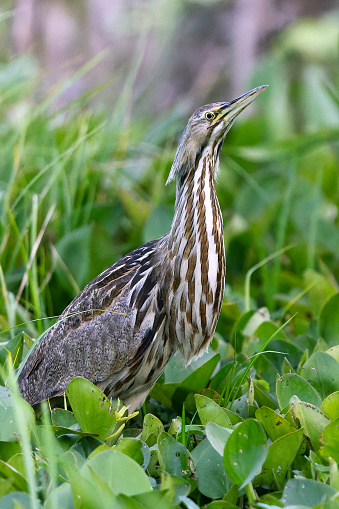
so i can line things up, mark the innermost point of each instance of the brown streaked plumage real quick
(123, 328)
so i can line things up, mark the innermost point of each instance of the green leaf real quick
(322, 371)
(294, 385)
(329, 321)
(9, 428)
(195, 382)
(217, 436)
(17, 500)
(305, 492)
(91, 408)
(60, 497)
(164, 393)
(63, 418)
(173, 456)
(209, 411)
(9, 449)
(158, 500)
(135, 449)
(151, 429)
(263, 398)
(334, 352)
(330, 405)
(245, 452)
(312, 420)
(329, 441)
(17, 479)
(274, 424)
(212, 479)
(14, 347)
(281, 454)
(121, 473)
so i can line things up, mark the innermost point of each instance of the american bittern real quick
(124, 327)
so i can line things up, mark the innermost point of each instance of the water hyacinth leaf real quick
(18, 481)
(195, 382)
(9, 427)
(92, 409)
(322, 371)
(217, 436)
(312, 420)
(135, 449)
(329, 441)
(294, 385)
(60, 497)
(245, 452)
(63, 418)
(263, 398)
(330, 405)
(118, 471)
(212, 479)
(274, 424)
(13, 348)
(240, 406)
(91, 490)
(233, 417)
(151, 429)
(158, 499)
(173, 456)
(329, 321)
(9, 449)
(209, 411)
(164, 393)
(334, 352)
(305, 492)
(281, 454)
(286, 367)
(17, 500)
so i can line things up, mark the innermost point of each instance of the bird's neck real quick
(197, 212)
(196, 251)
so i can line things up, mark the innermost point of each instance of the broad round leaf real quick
(330, 405)
(334, 352)
(209, 411)
(322, 371)
(245, 452)
(212, 479)
(195, 382)
(281, 454)
(329, 440)
(312, 420)
(91, 408)
(9, 404)
(294, 385)
(151, 429)
(173, 456)
(217, 436)
(306, 492)
(118, 471)
(274, 424)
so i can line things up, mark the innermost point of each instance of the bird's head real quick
(207, 129)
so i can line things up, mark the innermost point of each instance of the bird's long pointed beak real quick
(230, 110)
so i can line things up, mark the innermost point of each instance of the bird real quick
(123, 328)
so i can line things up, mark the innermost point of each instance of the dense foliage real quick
(252, 423)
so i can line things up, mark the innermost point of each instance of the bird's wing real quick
(93, 336)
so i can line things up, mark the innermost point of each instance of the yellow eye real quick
(210, 115)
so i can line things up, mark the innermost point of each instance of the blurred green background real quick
(93, 98)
